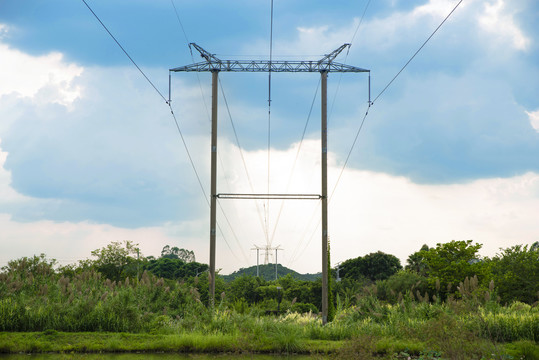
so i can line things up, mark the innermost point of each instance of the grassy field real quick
(46, 311)
(373, 330)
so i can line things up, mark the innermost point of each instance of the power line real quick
(295, 160)
(221, 161)
(360, 22)
(418, 50)
(173, 116)
(372, 103)
(386, 87)
(346, 57)
(350, 152)
(189, 155)
(233, 234)
(192, 58)
(330, 113)
(125, 52)
(292, 258)
(264, 228)
(179, 21)
(202, 186)
(268, 240)
(168, 103)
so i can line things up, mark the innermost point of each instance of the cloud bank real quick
(89, 153)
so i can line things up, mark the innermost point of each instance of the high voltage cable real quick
(350, 152)
(192, 58)
(296, 159)
(208, 115)
(173, 115)
(179, 20)
(199, 181)
(264, 229)
(292, 258)
(233, 127)
(387, 86)
(268, 241)
(125, 52)
(233, 234)
(378, 96)
(220, 159)
(360, 21)
(346, 57)
(296, 253)
(418, 50)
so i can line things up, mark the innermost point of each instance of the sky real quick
(90, 153)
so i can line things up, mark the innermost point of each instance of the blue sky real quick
(89, 152)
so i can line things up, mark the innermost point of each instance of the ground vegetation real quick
(450, 307)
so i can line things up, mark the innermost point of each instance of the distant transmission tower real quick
(267, 252)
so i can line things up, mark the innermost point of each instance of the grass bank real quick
(364, 346)
(95, 342)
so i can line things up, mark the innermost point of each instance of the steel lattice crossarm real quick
(213, 63)
(266, 65)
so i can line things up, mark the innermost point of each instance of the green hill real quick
(267, 272)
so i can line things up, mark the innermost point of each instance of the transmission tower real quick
(323, 66)
(267, 252)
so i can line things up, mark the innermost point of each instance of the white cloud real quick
(69, 242)
(374, 211)
(46, 78)
(369, 212)
(498, 20)
(397, 216)
(534, 119)
(435, 8)
(377, 34)
(7, 194)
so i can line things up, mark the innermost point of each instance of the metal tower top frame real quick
(213, 63)
(323, 66)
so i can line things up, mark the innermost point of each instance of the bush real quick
(303, 308)
(403, 282)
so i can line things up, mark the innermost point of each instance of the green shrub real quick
(303, 308)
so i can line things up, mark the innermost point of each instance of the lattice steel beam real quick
(265, 65)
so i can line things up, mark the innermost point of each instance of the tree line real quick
(450, 270)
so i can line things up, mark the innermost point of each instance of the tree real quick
(245, 287)
(174, 268)
(117, 260)
(402, 283)
(516, 274)
(450, 263)
(374, 266)
(177, 253)
(36, 266)
(416, 261)
(308, 292)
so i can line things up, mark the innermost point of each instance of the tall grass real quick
(43, 300)
(87, 302)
